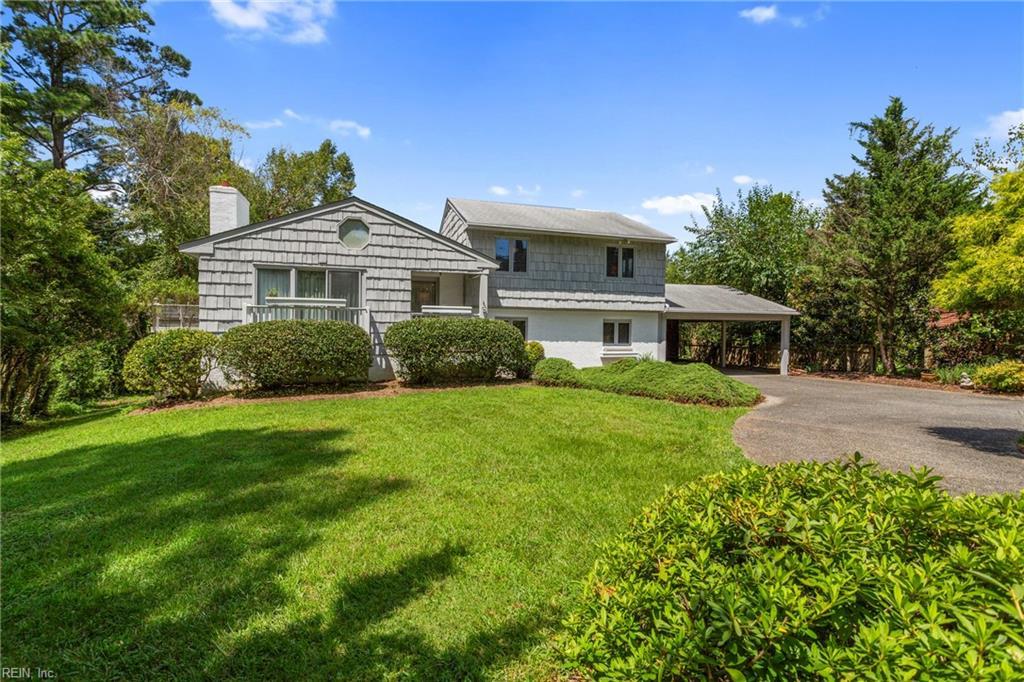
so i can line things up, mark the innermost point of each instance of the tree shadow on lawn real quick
(131, 559)
(152, 558)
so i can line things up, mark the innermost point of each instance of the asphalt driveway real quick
(968, 439)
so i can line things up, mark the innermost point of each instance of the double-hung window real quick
(307, 283)
(517, 322)
(616, 332)
(619, 261)
(510, 254)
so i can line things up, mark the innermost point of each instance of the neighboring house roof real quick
(573, 221)
(717, 299)
(192, 246)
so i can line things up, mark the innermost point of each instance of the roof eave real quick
(665, 239)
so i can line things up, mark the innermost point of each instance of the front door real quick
(424, 292)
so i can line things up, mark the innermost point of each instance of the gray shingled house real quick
(589, 285)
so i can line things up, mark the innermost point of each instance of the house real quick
(589, 285)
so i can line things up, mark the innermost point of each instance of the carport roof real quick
(716, 299)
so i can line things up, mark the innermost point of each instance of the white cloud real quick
(683, 203)
(293, 21)
(344, 127)
(761, 14)
(742, 179)
(498, 190)
(290, 113)
(637, 217)
(261, 125)
(577, 193)
(1000, 124)
(709, 169)
(247, 163)
(528, 191)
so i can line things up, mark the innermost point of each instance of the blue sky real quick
(645, 109)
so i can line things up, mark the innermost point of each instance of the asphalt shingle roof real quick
(498, 214)
(715, 298)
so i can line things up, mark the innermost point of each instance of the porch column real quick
(721, 359)
(784, 347)
(482, 295)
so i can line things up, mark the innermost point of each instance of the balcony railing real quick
(445, 311)
(306, 309)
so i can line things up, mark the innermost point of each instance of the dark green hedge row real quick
(808, 571)
(430, 350)
(690, 383)
(283, 353)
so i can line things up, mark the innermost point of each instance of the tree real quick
(987, 272)
(292, 181)
(1009, 158)
(757, 244)
(886, 234)
(74, 64)
(57, 289)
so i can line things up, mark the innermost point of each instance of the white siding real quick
(577, 335)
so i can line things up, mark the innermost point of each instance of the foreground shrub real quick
(281, 353)
(834, 571)
(171, 364)
(83, 373)
(1006, 376)
(690, 383)
(444, 349)
(557, 372)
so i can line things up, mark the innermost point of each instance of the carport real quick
(722, 304)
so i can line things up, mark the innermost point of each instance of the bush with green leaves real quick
(808, 571)
(431, 350)
(281, 353)
(689, 383)
(557, 372)
(84, 373)
(534, 354)
(172, 364)
(1006, 376)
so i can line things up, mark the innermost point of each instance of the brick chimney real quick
(228, 208)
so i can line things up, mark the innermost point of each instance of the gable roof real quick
(572, 221)
(718, 299)
(195, 246)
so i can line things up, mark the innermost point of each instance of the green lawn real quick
(431, 535)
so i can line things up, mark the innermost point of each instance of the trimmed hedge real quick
(280, 353)
(808, 571)
(171, 364)
(690, 383)
(557, 372)
(1006, 376)
(444, 349)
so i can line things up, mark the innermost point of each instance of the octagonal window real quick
(353, 233)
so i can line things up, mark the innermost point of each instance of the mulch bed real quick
(901, 381)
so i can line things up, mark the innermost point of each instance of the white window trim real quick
(512, 255)
(617, 322)
(524, 320)
(619, 248)
(293, 279)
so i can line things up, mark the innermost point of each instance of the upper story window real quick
(619, 261)
(353, 233)
(510, 254)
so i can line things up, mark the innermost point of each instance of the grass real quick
(689, 383)
(427, 536)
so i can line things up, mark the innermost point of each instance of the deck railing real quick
(308, 309)
(445, 311)
(173, 316)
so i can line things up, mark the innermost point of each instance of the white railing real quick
(173, 316)
(445, 311)
(305, 309)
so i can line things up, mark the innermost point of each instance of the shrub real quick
(283, 353)
(556, 372)
(444, 349)
(83, 373)
(62, 408)
(951, 374)
(809, 570)
(1006, 376)
(171, 364)
(534, 354)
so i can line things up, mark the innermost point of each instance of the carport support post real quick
(721, 352)
(784, 347)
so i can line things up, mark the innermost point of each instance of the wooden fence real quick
(765, 356)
